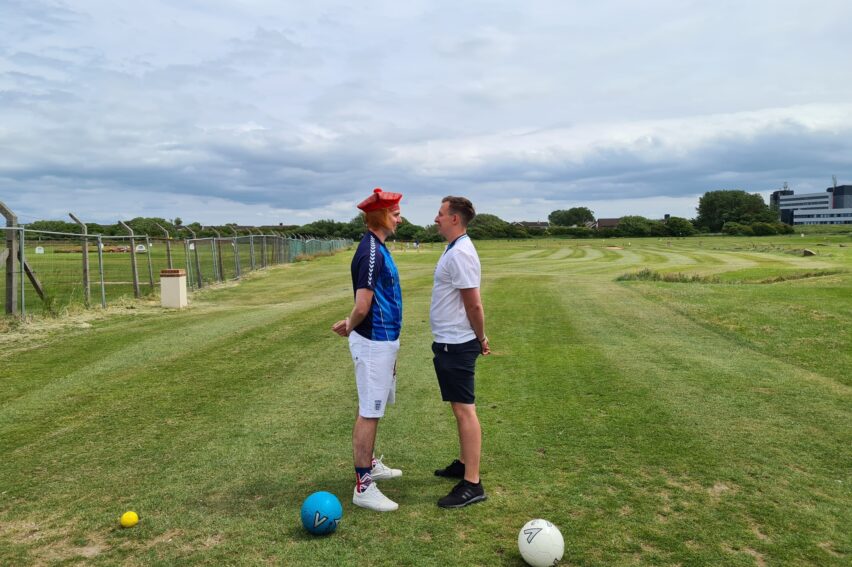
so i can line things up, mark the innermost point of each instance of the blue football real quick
(321, 513)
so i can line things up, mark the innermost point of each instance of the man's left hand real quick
(341, 327)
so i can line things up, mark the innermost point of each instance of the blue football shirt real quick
(373, 268)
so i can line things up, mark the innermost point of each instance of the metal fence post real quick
(11, 258)
(237, 268)
(168, 245)
(23, 265)
(150, 267)
(101, 270)
(186, 259)
(216, 259)
(133, 266)
(251, 250)
(198, 266)
(86, 291)
(218, 265)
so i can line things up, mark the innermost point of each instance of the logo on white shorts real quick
(378, 405)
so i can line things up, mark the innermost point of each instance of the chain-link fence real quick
(48, 271)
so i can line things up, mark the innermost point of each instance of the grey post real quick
(237, 269)
(11, 258)
(199, 277)
(101, 270)
(251, 249)
(263, 250)
(186, 251)
(22, 251)
(215, 275)
(150, 266)
(168, 244)
(86, 292)
(186, 258)
(217, 250)
(262, 247)
(133, 266)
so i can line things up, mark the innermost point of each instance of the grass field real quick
(656, 423)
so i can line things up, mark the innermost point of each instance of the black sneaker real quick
(453, 470)
(462, 494)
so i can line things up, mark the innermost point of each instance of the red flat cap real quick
(380, 200)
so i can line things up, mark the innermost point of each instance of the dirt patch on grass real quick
(759, 559)
(51, 545)
(21, 531)
(828, 547)
(755, 529)
(718, 489)
(65, 550)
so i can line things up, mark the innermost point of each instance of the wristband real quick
(483, 339)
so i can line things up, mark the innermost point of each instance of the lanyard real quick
(453, 243)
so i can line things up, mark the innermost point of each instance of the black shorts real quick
(455, 366)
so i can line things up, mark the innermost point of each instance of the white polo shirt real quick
(457, 269)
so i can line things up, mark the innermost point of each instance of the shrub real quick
(763, 229)
(573, 232)
(737, 229)
(677, 226)
(782, 228)
(647, 274)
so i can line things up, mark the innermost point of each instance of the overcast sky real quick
(261, 111)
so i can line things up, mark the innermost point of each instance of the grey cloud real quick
(23, 19)
(302, 107)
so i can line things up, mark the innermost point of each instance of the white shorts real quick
(375, 373)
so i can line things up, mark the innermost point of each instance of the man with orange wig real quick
(373, 329)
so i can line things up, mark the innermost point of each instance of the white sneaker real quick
(382, 472)
(373, 499)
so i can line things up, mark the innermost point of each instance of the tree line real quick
(731, 212)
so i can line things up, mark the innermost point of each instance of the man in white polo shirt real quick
(458, 326)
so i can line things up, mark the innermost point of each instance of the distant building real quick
(607, 223)
(834, 206)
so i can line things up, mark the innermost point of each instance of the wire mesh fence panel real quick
(294, 248)
(55, 266)
(245, 247)
(166, 254)
(203, 262)
(118, 268)
(277, 245)
(277, 252)
(227, 268)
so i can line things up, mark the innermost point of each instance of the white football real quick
(541, 543)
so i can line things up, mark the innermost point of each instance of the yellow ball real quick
(129, 519)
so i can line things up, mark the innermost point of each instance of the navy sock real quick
(362, 478)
